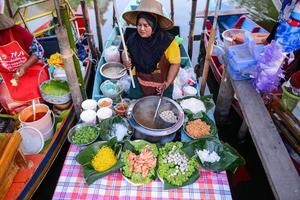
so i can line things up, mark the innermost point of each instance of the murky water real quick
(263, 12)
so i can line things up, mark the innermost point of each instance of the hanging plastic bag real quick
(111, 54)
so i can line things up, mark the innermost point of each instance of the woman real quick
(153, 52)
(20, 63)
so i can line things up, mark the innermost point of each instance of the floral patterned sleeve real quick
(36, 49)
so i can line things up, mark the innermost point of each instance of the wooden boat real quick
(114, 38)
(238, 20)
(28, 179)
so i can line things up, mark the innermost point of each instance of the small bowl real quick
(89, 104)
(73, 130)
(88, 116)
(121, 108)
(105, 102)
(106, 110)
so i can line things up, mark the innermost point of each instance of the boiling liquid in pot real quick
(147, 119)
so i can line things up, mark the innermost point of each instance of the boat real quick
(237, 20)
(27, 180)
(114, 38)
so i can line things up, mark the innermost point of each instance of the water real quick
(263, 12)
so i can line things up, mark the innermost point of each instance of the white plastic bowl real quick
(104, 113)
(88, 116)
(105, 99)
(89, 104)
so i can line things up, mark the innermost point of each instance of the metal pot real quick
(140, 116)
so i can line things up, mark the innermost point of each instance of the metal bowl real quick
(72, 131)
(111, 70)
(140, 115)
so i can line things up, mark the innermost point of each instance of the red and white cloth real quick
(71, 185)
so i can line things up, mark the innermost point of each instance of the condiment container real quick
(89, 104)
(88, 116)
(105, 102)
(104, 113)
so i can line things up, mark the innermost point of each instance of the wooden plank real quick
(200, 14)
(282, 175)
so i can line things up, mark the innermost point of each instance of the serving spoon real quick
(159, 102)
(34, 110)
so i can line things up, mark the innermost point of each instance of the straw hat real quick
(152, 7)
(6, 22)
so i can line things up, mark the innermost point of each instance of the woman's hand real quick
(19, 72)
(126, 62)
(162, 88)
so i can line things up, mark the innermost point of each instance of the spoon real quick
(121, 71)
(34, 110)
(159, 102)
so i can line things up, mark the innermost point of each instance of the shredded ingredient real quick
(193, 104)
(198, 128)
(205, 156)
(104, 159)
(119, 130)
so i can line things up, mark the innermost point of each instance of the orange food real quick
(198, 128)
(105, 103)
(142, 163)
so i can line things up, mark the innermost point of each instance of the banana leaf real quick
(105, 127)
(193, 178)
(205, 99)
(230, 159)
(204, 117)
(55, 87)
(86, 155)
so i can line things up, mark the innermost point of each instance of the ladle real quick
(159, 102)
(34, 110)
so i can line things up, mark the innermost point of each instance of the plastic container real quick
(89, 104)
(111, 89)
(288, 99)
(189, 91)
(43, 122)
(227, 36)
(104, 113)
(243, 58)
(88, 117)
(32, 140)
(105, 102)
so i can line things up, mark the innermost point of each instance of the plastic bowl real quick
(121, 108)
(75, 128)
(111, 70)
(111, 89)
(227, 36)
(102, 104)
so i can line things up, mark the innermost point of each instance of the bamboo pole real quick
(209, 50)
(9, 9)
(114, 16)
(67, 56)
(192, 27)
(88, 29)
(98, 25)
(123, 43)
(172, 9)
(67, 24)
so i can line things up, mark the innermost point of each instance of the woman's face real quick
(143, 28)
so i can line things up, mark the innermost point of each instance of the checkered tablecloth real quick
(71, 185)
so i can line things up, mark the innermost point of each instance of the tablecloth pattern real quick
(71, 185)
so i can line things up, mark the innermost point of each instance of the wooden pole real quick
(209, 50)
(67, 24)
(9, 9)
(123, 42)
(114, 16)
(88, 29)
(172, 9)
(98, 24)
(192, 27)
(67, 56)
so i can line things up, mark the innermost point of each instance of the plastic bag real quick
(125, 81)
(111, 54)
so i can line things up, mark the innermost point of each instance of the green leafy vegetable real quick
(175, 167)
(136, 147)
(55, 88)
(86, 155)
(105, 127)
